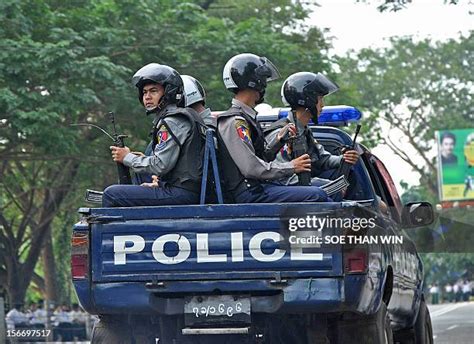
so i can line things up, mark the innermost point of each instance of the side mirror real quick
(417, 214)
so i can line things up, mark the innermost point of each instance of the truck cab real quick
(338, 272)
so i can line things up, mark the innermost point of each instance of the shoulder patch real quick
(162, 137)
(243, 130)
(286, 151)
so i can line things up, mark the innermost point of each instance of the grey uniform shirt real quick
(166, 152)
(207, 117)
(321, 162)
(237, 141)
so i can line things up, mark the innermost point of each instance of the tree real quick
(443, 268)
(397, 5)
(49, 81)
(414, 88)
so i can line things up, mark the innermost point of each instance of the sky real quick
(359, 25)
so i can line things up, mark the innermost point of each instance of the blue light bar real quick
(340, 114)
(332, 115)
(283, 113)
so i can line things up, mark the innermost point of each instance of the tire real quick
(374, 329)
(421, 332)
(111, 330)
(384, 330)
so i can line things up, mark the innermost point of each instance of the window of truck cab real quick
(384, 185)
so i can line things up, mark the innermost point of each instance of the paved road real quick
(453, 323)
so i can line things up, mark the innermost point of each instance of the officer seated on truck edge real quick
(195, 98)
(177, 152)
(304, 92)
(246, 160)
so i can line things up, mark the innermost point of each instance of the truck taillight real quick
(79, 255)
(355, 260)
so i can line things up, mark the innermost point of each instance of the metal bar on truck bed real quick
(228, 330)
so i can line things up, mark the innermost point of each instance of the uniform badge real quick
(285, 151)
(243, 130)
(162, 137)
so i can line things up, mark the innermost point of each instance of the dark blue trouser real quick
(272, 193)
(136, 195)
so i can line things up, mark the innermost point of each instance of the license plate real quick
(212, 309)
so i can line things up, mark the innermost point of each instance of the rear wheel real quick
(421, 332)
(111, 330)
(423, 328)
(385, 329)
(125, 330)
(374, 329)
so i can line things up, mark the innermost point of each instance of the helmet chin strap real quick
(261, 98)
(161, 105)
(314, 114)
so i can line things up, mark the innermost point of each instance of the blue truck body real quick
(150, 260)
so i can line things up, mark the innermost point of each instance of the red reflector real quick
(80, 240)
(79, 265)
(355, 261)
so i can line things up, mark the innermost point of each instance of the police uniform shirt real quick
(207, 117)
(235, 132)
(171, 130)
(321, 160)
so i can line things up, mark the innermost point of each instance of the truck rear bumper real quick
(315, 295)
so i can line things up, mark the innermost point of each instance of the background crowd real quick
(66, 323)
(458, 291)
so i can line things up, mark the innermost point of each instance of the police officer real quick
(245, 158)
(177, 145)
(195, 98)
(304, 92)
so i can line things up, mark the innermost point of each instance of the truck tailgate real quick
(206, 242)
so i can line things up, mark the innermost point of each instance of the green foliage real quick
(62, 250)
(417, 193)
(278, 13)
(443, 268)
(397, 5)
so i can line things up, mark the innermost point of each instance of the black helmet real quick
(303, 88)
(163, 75)
(249, 71)
(193, 91)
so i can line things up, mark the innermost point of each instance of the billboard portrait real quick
(456, 164)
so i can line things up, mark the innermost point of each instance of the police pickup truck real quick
(337, 272)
